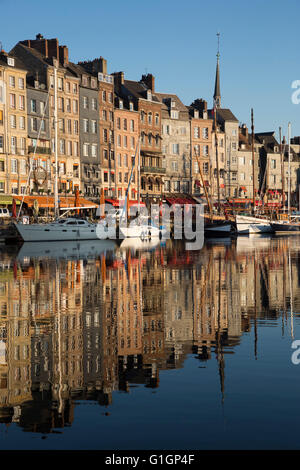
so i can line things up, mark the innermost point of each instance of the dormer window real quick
(174, 114)
(121, 104)
(196, 114)
(131, 106)
(172, 104)
(149, 95)
(84, 81)
(10, 61)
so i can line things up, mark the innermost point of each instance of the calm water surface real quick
(109, 347)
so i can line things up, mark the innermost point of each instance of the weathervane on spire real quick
(218, 53)
(217, 93)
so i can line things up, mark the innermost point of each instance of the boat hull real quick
(55, 232)
(285, 228)
(217, 230)
(248, 224)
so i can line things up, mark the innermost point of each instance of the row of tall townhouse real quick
(101, 120)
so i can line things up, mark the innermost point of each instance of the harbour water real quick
(154, 347)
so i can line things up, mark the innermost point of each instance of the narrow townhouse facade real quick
(271, 166)
(229, 127)
(245, 165)
(127, 148)
(201, 147)
(39, 148)
(176, 145)
(142, 95)
(219, 153)
(89, 132)
(98, 68)
(13, 125)
(41, 56)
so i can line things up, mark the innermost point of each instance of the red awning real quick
(116, 202)
(222, 185)
(243, 188)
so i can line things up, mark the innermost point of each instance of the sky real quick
(176, 41)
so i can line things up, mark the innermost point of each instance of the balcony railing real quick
(44, 150)
(152, 169)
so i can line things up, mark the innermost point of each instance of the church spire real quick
(217, 93)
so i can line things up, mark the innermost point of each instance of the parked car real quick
(4, 212)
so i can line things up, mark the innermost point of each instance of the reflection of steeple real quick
(217, 93)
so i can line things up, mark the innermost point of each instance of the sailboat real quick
(139, 227)
(292, 224)
(67, 228)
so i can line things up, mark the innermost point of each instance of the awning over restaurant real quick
(120, 202)
(243, 188)
(48, 202)
(180, 200)
(8, 200)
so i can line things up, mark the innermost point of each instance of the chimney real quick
(63, 55)
(200, 105)
(149, 81)
(118, 80)
(53, 48)
(244, 130)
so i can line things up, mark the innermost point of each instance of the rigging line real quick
(34, 153)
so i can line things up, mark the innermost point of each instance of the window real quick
(105, 135)
(68, 87)
(233, 145)
(157, 119)
(242, 160)
(85, 150)
(143, 116)
(85, 102)
(85, 125)
(125, 141)
(125, 160)
(104, 115)
(132, 125)
(125, 124)
(205, 150)
(132, 142)
(13, 121)
(68, 105)
(104, 95)
(273, 164)
(183, 130)
(33, 106)
(110, 97)
(12, 100)
(111, 116)
(69, 147)
(177, 186)
(69, 126)
(120, 177)
(105, 177)
(174, 114)
(205, 132)
(1, 143)
(22, 122)
(60, 84)
(76, 127)
(75, 88)
(242, 176)
(166, 129)
(94, 127)
(174, 165)
(197, 150)
(234, 132)
(62, 146)
(75, 106)
(196, 167)
(196, 132)
(94, 150)
(61, 104)
(12, 81)
(22, 102)
(14, 165)
(175, 148)
(1, 116)
(150, 118)
(2, 165)
(76, 149)
(205, 168)
(94, 103)
(13, 144)
(105, 154)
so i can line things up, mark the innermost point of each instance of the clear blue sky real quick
(176, 42)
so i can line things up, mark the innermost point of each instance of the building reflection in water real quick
(81, 329)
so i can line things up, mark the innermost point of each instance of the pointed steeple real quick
(217, 93)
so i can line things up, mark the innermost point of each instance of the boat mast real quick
(55, 145)
(253, 166)
(289, 184)
(139, 177)
(217, 158)
(282, 171)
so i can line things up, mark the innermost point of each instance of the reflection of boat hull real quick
(280, 227)
(65, 250)
(216, 229)
(142, 232)
(138, 244)
(247, 224)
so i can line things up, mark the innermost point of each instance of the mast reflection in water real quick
(104, 346)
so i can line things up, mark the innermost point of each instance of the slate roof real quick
(179, 106)
(137, 90)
